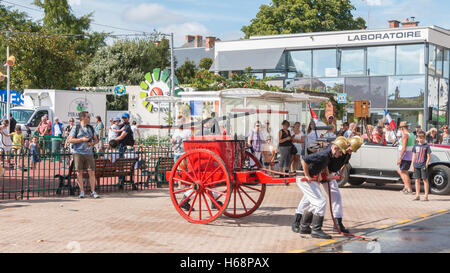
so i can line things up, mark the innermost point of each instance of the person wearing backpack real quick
(126, 138)
(83, 138)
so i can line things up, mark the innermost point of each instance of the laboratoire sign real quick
(385, 36)
(157, 83)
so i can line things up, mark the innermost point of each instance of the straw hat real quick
(403, 124)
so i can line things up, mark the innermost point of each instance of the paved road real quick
(429, 235)
(148, 222)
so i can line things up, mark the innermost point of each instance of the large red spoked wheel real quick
(200, 186)
(246, 197)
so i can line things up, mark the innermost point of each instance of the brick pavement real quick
(147, 222)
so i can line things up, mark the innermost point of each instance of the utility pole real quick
(8, 91)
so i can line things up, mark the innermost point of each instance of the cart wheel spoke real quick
(213, 172)
(243, 185)
(207, 206)
(183, 190)
(200, 206)
(193, 203)
(254, 202)
(214, 200)
(242, 201)
(215, 182)
(218, 192)
(183, 181)
(187, 198)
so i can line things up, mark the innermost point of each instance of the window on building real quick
(352, 62)
(414, 117)
(433, 99)
(406, 91)
(439, 61)
(282, 62)
(443, 101)
(446, 72)
(381, 60)
(373, 89)
(330, 85)
(299, 62)
(324, 63)
(431, 60)
(410, 59)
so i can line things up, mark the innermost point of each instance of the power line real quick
(97, 24)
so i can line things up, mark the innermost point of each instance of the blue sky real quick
(225, 18)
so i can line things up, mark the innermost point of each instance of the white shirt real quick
(179, 136)
(57, 131)
(134, 129)
(296, 144)
(389, 136)
(311, 138)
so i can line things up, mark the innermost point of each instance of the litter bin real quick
(56, 145)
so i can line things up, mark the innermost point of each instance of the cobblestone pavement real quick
(147, 222)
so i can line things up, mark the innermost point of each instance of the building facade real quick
(404, 69)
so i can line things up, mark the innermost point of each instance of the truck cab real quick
(32, 115)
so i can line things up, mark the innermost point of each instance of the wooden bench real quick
(158, 172)
(121, 168)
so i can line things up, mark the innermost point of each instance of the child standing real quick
(5, 143)
(420, 161)
(34, 152)
(17, 142)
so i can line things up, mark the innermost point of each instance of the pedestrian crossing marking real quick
(442, 210)
(404, 221)
(326, 242)
(298, 251)
(384, 226)
(424, 215)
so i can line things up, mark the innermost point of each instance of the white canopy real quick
(251, 93)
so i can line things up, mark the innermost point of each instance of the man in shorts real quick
(83, 139)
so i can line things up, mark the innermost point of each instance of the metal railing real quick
(139, 168)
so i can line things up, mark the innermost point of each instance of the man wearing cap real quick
(315, 167)
(126, 137)
(405, 154)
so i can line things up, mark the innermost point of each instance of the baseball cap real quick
(116, 119)
(125, 115)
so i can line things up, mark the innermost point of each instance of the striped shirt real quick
(422, 153)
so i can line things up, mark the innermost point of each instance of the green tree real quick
(14, 19)
(186, 72)
(43, 60)
(126, 62)
(59, 18)
(297, 16)
(205, 63)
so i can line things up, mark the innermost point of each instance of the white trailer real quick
(63, 104)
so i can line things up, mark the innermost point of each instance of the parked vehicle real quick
(375, 163)
(58, 103)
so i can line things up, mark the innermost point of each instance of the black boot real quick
(340, 225)
(186, 206)
(296, 224)
(305, 223)
(317, 232)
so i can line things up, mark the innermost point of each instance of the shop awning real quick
(257, 59)
(250, 93)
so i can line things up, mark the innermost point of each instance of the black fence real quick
(53, 173)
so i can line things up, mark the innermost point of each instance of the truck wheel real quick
(355, 181)
(439, 179)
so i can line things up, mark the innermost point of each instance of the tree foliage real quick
(59, 18)
(43, 61)
(205, 63)
(186, 72)
(126, 62)
(297, 16)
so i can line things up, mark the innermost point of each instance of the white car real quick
(377, 163)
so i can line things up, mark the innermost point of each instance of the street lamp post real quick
(10, 61)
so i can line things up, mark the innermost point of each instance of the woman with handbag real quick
(284, 147)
